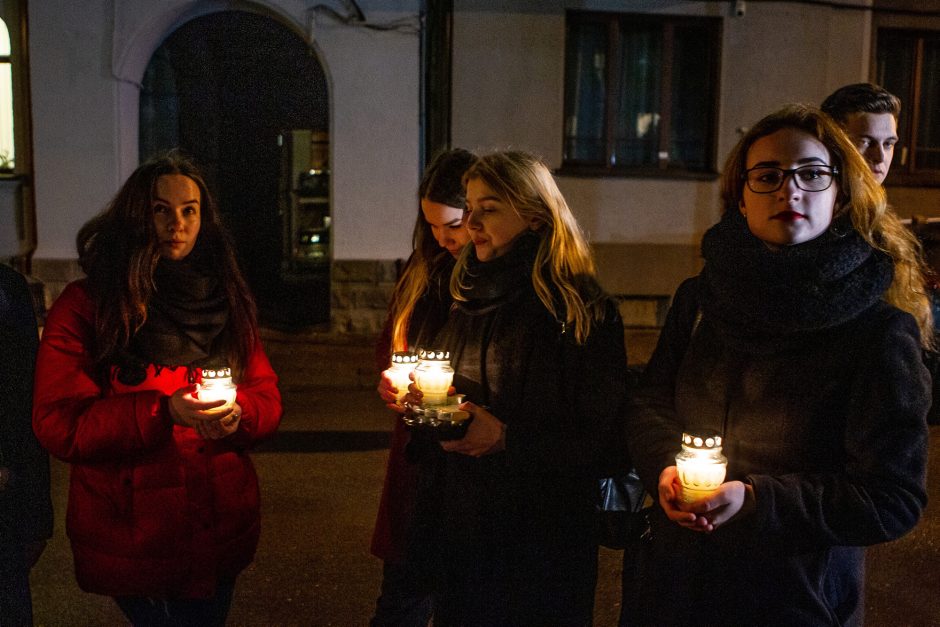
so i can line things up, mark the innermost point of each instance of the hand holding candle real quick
(399, 372)
(186, 410)
(216, 429)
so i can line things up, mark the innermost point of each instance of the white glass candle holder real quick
(433, 376)
(403, 363)
(217, 385)
(700, 465)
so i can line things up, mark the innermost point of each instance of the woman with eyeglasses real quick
(800, 344)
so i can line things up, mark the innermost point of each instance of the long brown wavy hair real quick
(860, 196)
(118, 251)
(441, 183)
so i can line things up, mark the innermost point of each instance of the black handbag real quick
(620, 515)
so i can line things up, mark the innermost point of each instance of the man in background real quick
(869, 115)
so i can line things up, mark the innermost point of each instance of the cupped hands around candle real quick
(206, 417)
(729, 501)
(485, 435)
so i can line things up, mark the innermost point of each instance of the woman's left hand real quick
(730, 500)
(221, 427)
(485, 435)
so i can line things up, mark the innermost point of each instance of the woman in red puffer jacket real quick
(163, 508)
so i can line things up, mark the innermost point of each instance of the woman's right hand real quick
(669, 491)
(388, 393)
(187, 410)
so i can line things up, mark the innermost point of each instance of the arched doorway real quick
(232, 89)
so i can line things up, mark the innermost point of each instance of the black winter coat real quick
(25, 505)
(508, 538)
(830, 432)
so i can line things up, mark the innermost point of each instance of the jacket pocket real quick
(99, 506)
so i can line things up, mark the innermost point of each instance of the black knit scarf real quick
(186, 314)
(762, 299)
(489, 284)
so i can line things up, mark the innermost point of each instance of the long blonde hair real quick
(860, 196)
(563, 259)
(442, 183)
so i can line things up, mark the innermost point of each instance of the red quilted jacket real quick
(153, 510)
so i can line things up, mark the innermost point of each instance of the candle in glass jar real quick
(216, 385)
(403, 363)
(700, 465)
(433, 376)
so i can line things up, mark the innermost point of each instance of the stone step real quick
(309, 360)
(306, 360)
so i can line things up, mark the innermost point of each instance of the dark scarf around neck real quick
(763, 299)
(491, 283)
(185, 316)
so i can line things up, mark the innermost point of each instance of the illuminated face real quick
(446, 225)
(493, 224)
(875, 135)
(176, 215)
(789, 215)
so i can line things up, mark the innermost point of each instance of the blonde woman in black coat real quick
(504, 516)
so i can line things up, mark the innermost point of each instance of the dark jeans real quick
(403, 601)
(211, 612)
(16, 605)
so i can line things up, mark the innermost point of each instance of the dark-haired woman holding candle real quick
(419, 307)
(163, 509)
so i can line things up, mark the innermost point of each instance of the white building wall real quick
(375, 136)
(74, 133)
(87, 57)
(509, 90)
(508, 73)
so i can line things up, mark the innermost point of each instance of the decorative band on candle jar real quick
(433, 376)
(700, 465)
(216, 384)
(403, 363)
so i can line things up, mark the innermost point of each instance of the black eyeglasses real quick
(809, 178)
